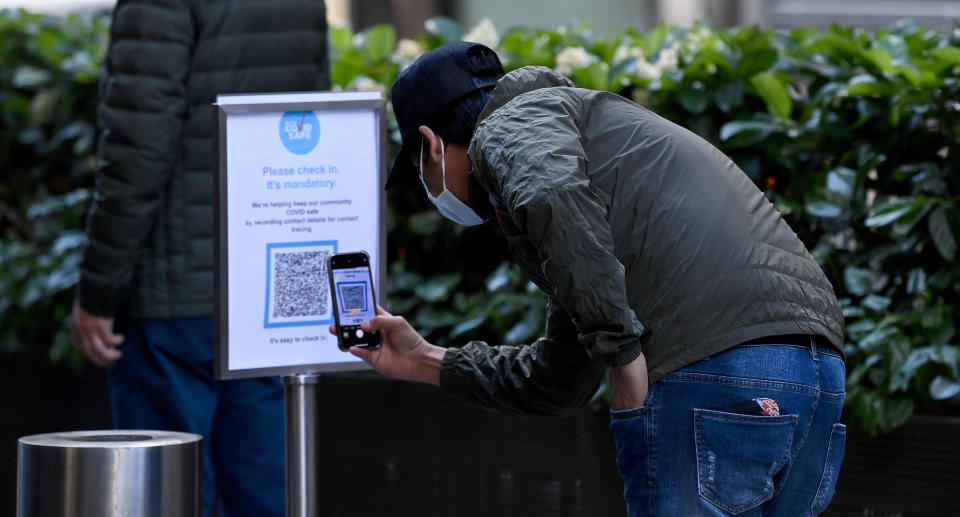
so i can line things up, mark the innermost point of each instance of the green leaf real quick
(26, 76)
(381, 41)
(858, 281)
(942, 388)
(692, 99)
(742, 133)
(821, 208)
(878, 338)
(447, 29)
(594, 76)
(875, 303)
(728, 96)
(841, 181)
(896, 412)
(896, 47)
(430, 318)
(425, 223)
(941, 234)
(774, 93)
(341, 38)
(526, 328)
(857, 373)
(880, 59)
(916, 359)
(863, 326)
(916, 281)
(468, 325)
(906, 223)
(437, 288)
(949, 55)
(504, 275)
(757, 61)
(883, 214)
(866, 84)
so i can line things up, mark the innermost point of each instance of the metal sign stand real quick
(300, 410)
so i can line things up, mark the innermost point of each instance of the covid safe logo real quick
(299, 131)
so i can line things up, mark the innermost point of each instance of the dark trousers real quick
(165, 382)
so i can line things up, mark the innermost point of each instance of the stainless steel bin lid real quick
(110, 439)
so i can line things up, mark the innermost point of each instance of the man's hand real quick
(94, 336)
(403, 354)
(628, 385)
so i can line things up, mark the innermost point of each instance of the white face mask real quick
(449, 205)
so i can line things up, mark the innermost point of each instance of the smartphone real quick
(351, 287)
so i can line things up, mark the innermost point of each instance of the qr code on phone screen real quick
(298, 288)
(354, 297)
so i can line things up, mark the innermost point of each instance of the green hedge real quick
(854, 136)
(49, 70)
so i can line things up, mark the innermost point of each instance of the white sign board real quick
(299, 177)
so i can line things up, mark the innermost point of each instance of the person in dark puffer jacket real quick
(144, 303)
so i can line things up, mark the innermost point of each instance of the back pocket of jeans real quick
(738, 456)
(838, 441)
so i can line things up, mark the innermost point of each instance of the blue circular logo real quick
(299, 131)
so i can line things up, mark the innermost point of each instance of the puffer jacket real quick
(644, 236)
(150, 228)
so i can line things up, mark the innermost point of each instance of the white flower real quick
(625, 52)
(485, 33)
(572, 58)
(362, 83)
(695, 37)
(407, 51)
(667, 59)
(648, 69)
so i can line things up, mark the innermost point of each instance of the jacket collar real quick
(520, 81)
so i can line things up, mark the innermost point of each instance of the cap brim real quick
(403, 171)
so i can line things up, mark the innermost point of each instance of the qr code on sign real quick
(354, 297)
(298, 288)
(300, 281)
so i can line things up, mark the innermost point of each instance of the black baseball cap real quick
(430, 84)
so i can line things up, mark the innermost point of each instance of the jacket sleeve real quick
(532, 148)
(552, 376)
(142, 106)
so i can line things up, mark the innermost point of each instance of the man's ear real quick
(432, 151)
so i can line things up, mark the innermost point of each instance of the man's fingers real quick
(362, 353)
(333, 329)
(111, 339)
(382, 312)
(388, 323)
(102, 329)
(100, 353)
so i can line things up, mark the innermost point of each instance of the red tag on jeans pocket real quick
(768, 406)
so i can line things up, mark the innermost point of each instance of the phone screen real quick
(354, 295)
(354, 301)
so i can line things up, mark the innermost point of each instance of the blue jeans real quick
(691, 451)
(164, 381)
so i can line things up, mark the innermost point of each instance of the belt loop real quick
(813, 349)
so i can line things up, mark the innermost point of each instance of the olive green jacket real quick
(644, 236)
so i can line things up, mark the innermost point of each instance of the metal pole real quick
(301, 410)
